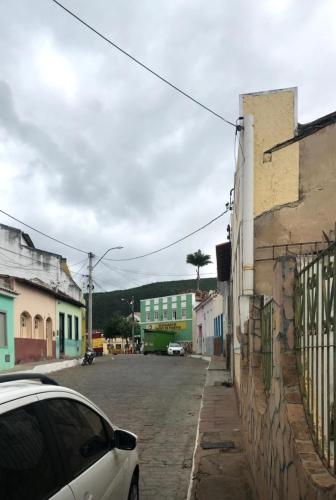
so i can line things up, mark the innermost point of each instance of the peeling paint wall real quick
(303, 220)
(275, 182)
(279, 446)
(22, 261)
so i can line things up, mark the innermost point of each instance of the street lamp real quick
(131, 305)
(91, 268)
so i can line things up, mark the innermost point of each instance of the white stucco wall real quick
(205, 314)
(18, 259)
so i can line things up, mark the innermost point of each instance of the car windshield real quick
(174, 345)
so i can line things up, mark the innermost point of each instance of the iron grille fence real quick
(267, 344)
(315, 346)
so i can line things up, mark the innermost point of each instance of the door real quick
(95, 470)
(6, 340)
(61, 333)
(200, 340)
(49, 337)
(29, 461)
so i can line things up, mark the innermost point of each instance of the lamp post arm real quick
(107, 251)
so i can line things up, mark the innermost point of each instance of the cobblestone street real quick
(156, 397)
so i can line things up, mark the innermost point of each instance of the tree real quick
(118, 326)
(198, 259)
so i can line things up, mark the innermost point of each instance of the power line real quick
(81, 267)
(132, 271)
(43, 234)
(147, 68)
(20, 266)
(174, 242)
(99, 286)
(77, 263)
(228, 207)
(136, 281)
(122, 276)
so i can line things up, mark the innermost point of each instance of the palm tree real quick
(198, 259)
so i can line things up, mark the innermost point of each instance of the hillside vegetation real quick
(106, 304)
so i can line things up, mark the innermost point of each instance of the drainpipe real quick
(247, 206)
(247, 227)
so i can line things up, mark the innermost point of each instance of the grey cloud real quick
(130, 160)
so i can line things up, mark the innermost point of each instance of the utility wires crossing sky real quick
(144, 66)
(129, 258)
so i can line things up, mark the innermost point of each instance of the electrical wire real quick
(43, 234)
(124, 259)
(137, 282)
(32, 260)
(81, 267)
(99, 286)
(137, 61)
(77, 263)
(132, 271)
(174, 242)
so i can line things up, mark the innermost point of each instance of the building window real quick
(38, 327)
(147, 316)
(3, 330)
(156, 314)
(69, 326)
(174, 314)
(184, 313)
(26, 325)
(165, 314)
(76, 328)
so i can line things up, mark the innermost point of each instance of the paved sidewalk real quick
(47, 366)
(221, 471)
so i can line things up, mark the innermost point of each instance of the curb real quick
(191, 484)
(51, 367)
(200, 356)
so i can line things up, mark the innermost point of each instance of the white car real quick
(55, 443)
(175, 349)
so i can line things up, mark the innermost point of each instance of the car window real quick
(81, 432)
(26, 466)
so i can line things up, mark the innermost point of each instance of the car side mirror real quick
(124, 440)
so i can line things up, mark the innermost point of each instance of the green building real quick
(69, 327)
(169, 314)
(7, 349)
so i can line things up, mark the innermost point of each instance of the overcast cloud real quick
(97, 152)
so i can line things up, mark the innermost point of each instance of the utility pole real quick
(90, 268)
(90, 286)
(132, 309)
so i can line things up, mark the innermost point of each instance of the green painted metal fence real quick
(267, 344)
(315, 318)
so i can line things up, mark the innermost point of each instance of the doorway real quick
(61, 333)
(49, 337)
(200, 340)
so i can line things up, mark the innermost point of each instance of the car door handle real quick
(88, 496)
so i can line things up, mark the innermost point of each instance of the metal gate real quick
(315, 346)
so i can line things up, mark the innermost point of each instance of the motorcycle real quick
(88, 358)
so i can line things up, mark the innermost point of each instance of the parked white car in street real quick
(57, 444)
(175, 349)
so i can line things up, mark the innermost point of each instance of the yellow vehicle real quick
(115, 346)
(97, 343)
(116, 349)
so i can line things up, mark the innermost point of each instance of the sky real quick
(97, 152)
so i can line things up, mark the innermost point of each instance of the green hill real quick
(109, 303)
